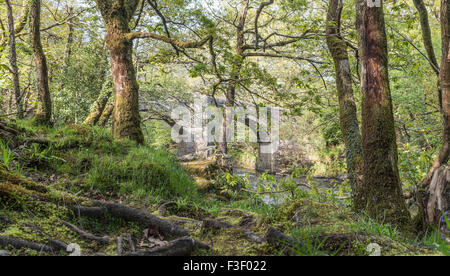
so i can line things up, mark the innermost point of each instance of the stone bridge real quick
(203, 146)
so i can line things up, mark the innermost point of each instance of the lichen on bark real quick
(347, 107)
(126, 117)
(44, 104)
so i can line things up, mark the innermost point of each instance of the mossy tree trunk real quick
(445, 86)
(347, 107)
(100, 104)
(126, 119)
(381, 193)
(117, 15)
(445, 79)
(426, 34)
(438, 178)
(107, 112)
(44, 104)
(13, 60)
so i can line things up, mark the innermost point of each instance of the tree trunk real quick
(438, 178)
(426, 34)
(381, 193)
(13, 60)
(68, 49)
(445, 85)
(44, 105)
(347, 107)
(428, 44)
(100, 103)
(231, 89)
(106, 114)
(126, 117)
(438, 201)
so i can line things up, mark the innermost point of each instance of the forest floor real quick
(76, 186)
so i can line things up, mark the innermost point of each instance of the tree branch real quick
(181, 44)
(281, 56)
(258, 14)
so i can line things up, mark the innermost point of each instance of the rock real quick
(4, 253)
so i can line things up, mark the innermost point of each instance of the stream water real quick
(254, 180)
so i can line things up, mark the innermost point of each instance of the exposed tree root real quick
(13, 188)
(162, 210)
(119, 241)
(86, 235)
(209, 223)
(216, 224)
(131, 214)
(180, 247)
(189, 210)
(280, 240)
(10, 130)
(17, 243)
(131, 242)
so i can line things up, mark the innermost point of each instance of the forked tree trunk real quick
(381, 193)
(44, 105)
(347, 107)
(126, 117)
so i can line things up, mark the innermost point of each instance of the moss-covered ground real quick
(79, 162)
